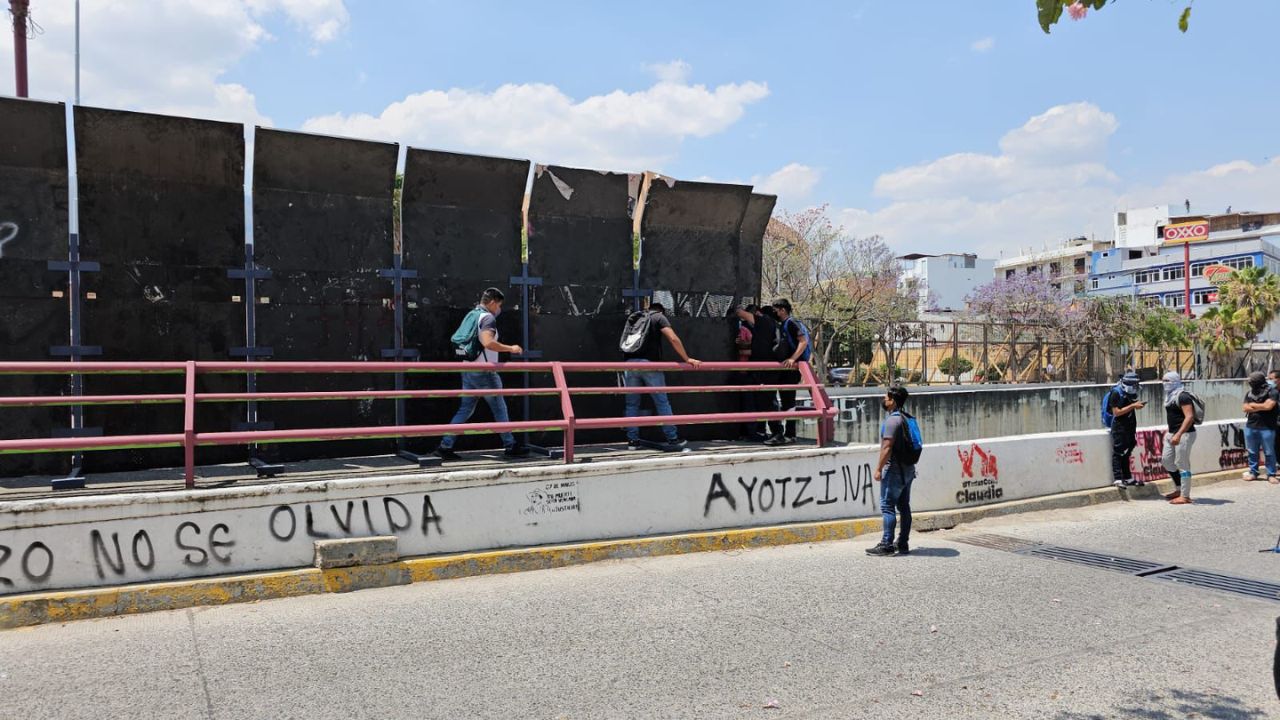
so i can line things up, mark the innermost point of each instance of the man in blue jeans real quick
(895, 477)
(651, 351)
(1261, 408)
(487, 332)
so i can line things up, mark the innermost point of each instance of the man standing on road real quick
(651, 351)
(895, 477)
(487, 334)
(794, 348)
(1181, 414)
(1260, 408)
(1123, 403)
(1273, 381)
(763, 330)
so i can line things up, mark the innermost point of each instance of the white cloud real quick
(983, 45)
(1049, 182)
(166, 56)
(793, 184)
(617, 131)
(675, 71)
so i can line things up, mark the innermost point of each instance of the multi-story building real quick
(1067, 266)
(944, 281)
(1152, 265)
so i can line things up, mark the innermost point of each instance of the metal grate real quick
(1103, 561)
(996, 542)
(1224, 583)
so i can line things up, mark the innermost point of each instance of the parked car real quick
(839, 375)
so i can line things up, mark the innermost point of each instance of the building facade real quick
(1152, 265)
(1066, 267)
(944, 281)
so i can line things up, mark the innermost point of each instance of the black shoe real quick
(789, 440)
(447, 454)
(634, 445)
(904, 549)
(775, 441)
(881, 550)
(677, 444)
(516, 451)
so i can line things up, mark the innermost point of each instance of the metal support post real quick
(251, 273)
(397, 274)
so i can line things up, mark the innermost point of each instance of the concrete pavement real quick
(820, 630)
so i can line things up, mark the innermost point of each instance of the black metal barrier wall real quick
(166, 271)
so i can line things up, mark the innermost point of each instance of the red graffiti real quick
(988, 468)
(1147, 463)
(1071, 454)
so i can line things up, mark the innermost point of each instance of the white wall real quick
(72, 542)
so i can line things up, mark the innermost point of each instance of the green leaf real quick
(1050, 11)
(1184, 19)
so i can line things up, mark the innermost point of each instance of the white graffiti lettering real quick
(8, 231)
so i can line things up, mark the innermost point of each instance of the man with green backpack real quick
(476, 340)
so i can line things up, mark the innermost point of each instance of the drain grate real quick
(1114, 563)
(1223, 583)
(996, 542)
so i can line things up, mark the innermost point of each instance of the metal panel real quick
(162, 209)
(461, 222)
(751, 244)
(33, 299)
(690, 234)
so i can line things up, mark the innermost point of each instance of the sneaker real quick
(634, 445)
(776, 440)
(1117, 483)
(881, 550)
(516, 451)
(904, 549)
(1180, 501)
(1173, 495)
(789, 440)
(1273, 480)
(447, 454)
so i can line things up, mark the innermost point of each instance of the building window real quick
(970, 262)
(1122, 219)
(1094, 283)
(1203, 297)
(1033, 270)
(1008, 274)
(1173, 273)
(1079, 266)
(1197, 270)
(1173, 300)
(1151, 300)
(1143, 277)
(1055, 269)
(1239, 263)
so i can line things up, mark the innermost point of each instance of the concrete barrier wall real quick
(77, 542)
(990, 411)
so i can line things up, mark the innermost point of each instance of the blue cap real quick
(1130, 378)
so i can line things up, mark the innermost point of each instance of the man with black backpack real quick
(900, 446)
(1119, 413)
(1180, 410)
(793, 346)
(763, 338)
(476, 340)
(641, 342)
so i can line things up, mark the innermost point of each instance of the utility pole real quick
(18, 8)
(77, 52)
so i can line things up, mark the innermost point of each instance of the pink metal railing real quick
(567, 424)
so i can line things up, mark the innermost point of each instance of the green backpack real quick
(466, 339)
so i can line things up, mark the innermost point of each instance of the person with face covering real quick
(1181, 414)
(1261, 407)
(1273, 382)
(1123, 404)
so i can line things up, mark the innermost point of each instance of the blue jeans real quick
(895, 501)
(640, 378)
(1261, 439)
(497, 404)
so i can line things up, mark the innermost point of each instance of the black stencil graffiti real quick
(116, 561)
(37, 554)
(213, 549)
(1233, 453)
(764, 494)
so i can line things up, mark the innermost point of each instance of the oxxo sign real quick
(1187, 232)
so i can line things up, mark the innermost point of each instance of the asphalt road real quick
(819, 631)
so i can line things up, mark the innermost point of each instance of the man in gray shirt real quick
(487, 332)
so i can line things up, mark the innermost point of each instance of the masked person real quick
(1260, 408)
(1181, 414)
(1123, 404)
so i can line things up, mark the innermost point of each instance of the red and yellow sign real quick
(1218, 274)
(1187, 232)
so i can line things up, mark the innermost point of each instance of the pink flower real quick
(1077, 11)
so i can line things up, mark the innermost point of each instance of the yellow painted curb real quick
(53, 607)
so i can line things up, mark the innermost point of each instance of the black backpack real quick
(636, 332)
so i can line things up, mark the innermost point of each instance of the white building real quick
(1140, 227)
(944, 281)
(1065, 267)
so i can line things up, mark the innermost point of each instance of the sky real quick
(941, 126)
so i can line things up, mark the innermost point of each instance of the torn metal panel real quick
(33, 184)
(691, 236)
(461, 224)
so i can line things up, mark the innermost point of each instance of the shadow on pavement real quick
(1175, 705)
(1212, 501)
(934, 552)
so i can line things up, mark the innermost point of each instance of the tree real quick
(1018, 304)
(1256, 292)
(1112, 323)
(1163, 330)
(1222, 331)
(836, 282)
(1050, 11)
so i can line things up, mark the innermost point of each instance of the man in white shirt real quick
(487, 332)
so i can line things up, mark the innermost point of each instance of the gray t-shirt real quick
(488, 323)
(891, 426)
